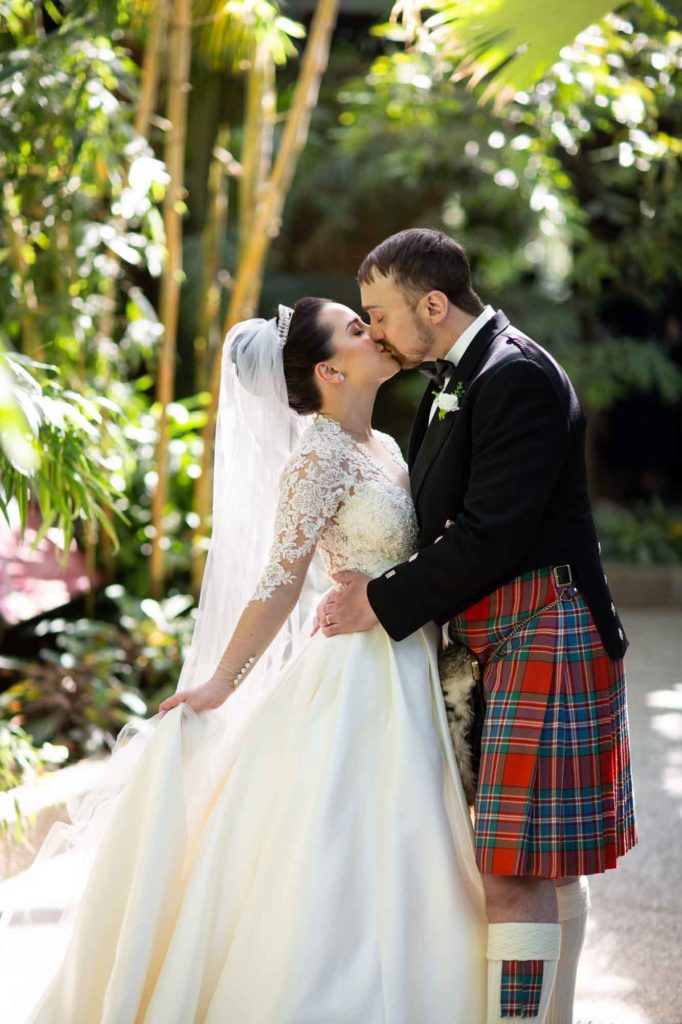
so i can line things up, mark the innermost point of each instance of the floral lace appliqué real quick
(335, 496)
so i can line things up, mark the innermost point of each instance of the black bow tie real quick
(439, 371)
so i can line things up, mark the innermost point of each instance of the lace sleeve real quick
(311, 490)
(314, 483)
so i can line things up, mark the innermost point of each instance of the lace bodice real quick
(335, 496)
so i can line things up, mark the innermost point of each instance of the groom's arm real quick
(520, 436)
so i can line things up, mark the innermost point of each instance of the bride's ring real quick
(327, 620)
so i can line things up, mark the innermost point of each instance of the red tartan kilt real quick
(555, 793)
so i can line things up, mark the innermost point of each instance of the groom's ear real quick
(435, 305)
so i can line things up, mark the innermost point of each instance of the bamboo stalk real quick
(17, 233)
(222, 167)
(250, 154)
(267, 219)
(178, 90)
(90, 545)
(206, 342)
(149, 87)
(151, 67)
(259, 126)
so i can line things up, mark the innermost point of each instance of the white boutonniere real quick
(448, 402)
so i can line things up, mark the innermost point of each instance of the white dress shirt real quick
(463, 342)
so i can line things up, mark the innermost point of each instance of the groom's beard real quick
(424, 343)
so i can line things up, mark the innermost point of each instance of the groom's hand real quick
(347, 610)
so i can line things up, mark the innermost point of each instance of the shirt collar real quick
(468, 335)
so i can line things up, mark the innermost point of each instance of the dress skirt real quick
(332, 879)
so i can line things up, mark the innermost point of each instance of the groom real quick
(509, 560)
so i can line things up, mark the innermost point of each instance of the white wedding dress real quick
(331, 878)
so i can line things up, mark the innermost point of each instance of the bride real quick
(287, 840)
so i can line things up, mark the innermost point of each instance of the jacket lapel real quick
(420, 425)
(436, 432)
(423, 456)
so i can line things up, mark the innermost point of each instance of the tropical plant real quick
(78, 195)
(510, 43)
(81, 231)
(78, 187)
(267, 185)
(563, 200)
(92, 676)
(54, 444)
(20, 762)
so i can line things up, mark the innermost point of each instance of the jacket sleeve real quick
(520, 437)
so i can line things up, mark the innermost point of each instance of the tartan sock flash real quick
(574, 903)
(522, 965)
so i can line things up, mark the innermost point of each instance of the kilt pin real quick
(554, 793)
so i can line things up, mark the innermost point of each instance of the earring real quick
(342, 376)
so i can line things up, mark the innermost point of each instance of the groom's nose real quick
(376, 333)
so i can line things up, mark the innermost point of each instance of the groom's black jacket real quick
(508, 469)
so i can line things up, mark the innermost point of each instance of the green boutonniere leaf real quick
(457, 394)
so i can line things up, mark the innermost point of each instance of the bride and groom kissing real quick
(334, 875)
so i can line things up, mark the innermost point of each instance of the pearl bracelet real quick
(242, 672)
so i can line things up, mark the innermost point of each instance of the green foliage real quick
(136, 465)
(229, 30)
(646, 534)
(79, 193)
(20, 761)
(609, 118)
(568, 201)
(507, 40)
(101, 674)
(616, 367)
(53, 448)
(79, 216)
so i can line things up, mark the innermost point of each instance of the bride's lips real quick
(385, 350)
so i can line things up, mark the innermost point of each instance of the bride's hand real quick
(211, 695)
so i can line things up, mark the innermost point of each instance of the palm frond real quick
(509, 42)
(228, 30)
(224, 31)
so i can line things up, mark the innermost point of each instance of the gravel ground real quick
(631, 967)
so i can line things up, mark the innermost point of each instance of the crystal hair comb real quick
(284, 314)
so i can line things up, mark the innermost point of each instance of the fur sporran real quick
(460, 680)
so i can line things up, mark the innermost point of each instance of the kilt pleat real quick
(554, 793)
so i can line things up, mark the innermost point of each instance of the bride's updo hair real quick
(308, 343)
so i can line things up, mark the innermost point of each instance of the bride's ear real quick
(328, 374)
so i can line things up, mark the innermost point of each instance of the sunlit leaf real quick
(510, 43)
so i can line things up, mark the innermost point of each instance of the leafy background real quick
(565, 190)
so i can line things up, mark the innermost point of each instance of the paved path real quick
(631, 968)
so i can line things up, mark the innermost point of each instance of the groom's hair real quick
(422, 260)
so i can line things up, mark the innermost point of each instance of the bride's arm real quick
(309, 496)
